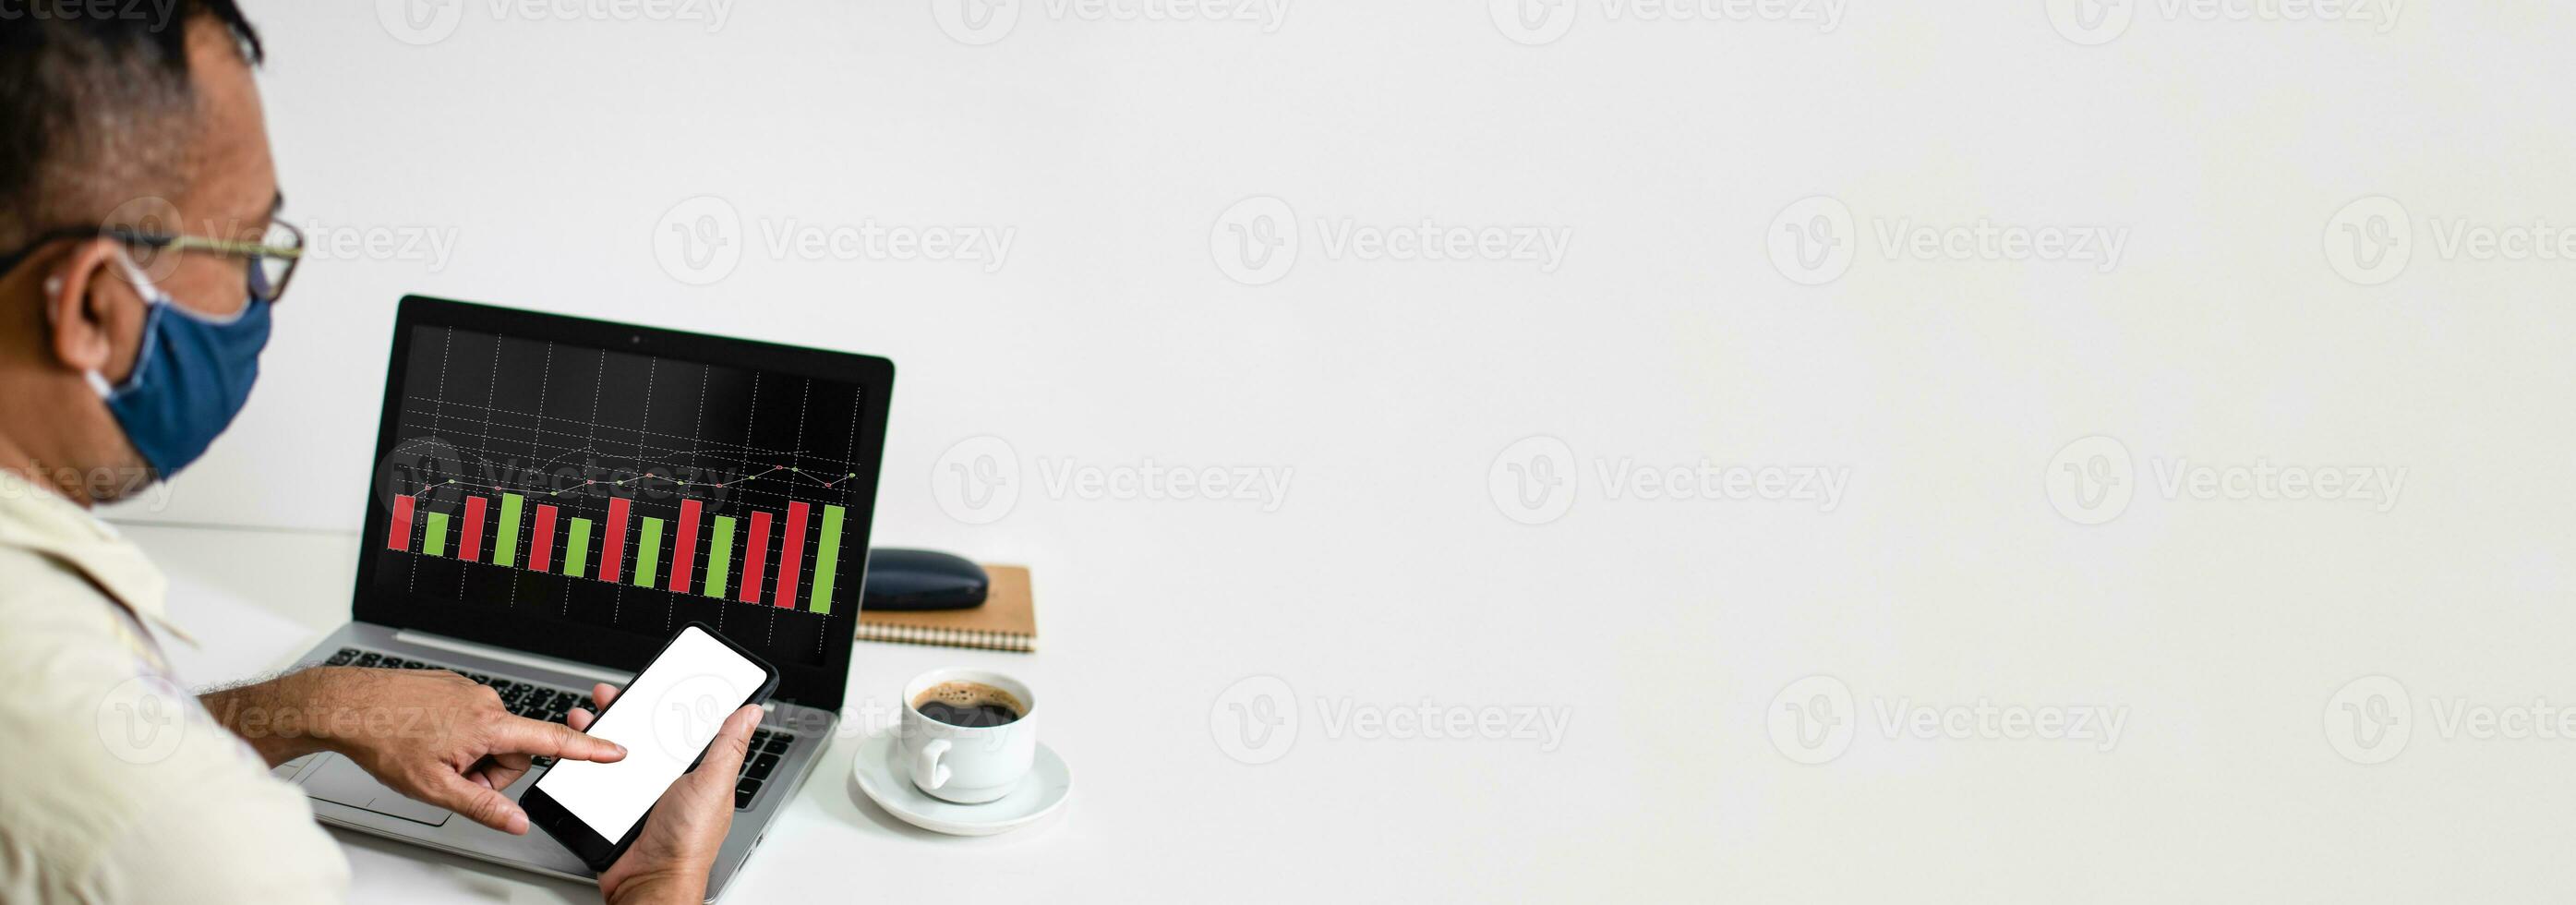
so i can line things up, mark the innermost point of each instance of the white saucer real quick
(1045, 788)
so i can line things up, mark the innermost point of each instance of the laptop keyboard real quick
(541, 702)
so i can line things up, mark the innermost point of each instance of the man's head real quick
(115, 125)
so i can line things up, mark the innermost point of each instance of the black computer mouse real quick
(900, 579)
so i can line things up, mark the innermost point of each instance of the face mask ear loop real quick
(153, 299)
(152, 294)
(143, 285)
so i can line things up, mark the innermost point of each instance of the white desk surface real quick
(1159, 811)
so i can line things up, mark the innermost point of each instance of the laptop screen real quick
(585, 492)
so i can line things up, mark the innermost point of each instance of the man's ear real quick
(89, 308)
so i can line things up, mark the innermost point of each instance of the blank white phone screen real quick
(664, 719)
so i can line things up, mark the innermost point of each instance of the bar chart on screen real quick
(620, 489)
(783, 584)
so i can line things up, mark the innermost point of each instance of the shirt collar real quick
(35, 518)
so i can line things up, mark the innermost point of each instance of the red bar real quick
(541, 545)
(612, 546)
(684, 546)
(754, 552)
(400, 539)
(469, 544)
(791, 555)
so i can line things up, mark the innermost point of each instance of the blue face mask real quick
(192, 376)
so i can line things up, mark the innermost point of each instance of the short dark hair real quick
(95, 103)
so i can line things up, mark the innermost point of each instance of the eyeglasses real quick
(273, 258)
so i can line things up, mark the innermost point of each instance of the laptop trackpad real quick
(340, 782)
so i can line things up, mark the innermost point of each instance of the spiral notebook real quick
(1008, 619)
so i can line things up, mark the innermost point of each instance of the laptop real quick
(553, 497)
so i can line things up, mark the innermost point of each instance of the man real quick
(140, 259)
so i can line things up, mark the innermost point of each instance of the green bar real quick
(826, 556)
(434, 540)
(577, 549)
(505, 545)
(719, 555)
(648, 552)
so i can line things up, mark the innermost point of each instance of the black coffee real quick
(970, 717)
(968, 704)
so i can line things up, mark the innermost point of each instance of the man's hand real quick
(671, 857)
(432, 735)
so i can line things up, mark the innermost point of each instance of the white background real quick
(548, 149)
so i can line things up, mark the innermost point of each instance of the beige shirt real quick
(115, 785)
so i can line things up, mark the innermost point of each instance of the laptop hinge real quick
(507, 655)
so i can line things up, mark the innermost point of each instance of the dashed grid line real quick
(695, 442)
(752, 417)
(489, 387)
(651, 365)
(631, 476)
(592, 433)
(697, 430)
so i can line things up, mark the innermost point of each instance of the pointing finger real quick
(516, 735)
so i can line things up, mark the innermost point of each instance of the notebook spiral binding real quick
(948, 637)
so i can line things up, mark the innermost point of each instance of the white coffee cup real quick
(968, 764)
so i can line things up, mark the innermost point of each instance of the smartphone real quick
(665, 718)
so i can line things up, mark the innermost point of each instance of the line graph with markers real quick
(624, 491)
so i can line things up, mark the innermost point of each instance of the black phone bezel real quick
(594, 850)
